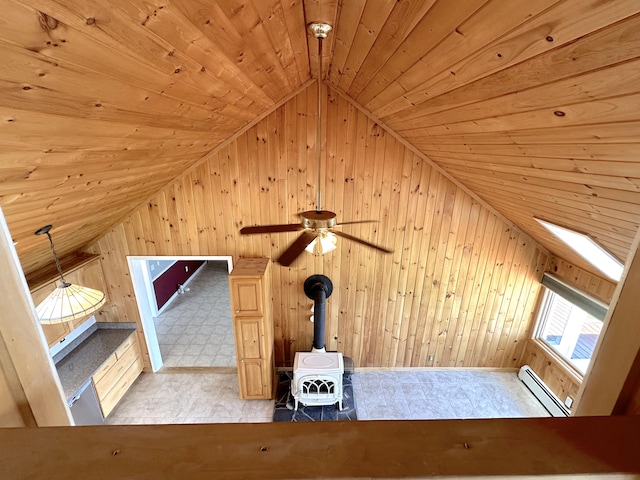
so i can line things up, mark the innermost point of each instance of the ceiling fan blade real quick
(355, 239)
(357, 221)
(296, 248)
(288, 227)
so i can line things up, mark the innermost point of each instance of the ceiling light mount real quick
(45, 231)
(320, 30)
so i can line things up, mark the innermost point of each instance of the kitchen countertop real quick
(80, 364)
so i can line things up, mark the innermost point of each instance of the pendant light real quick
(326, 241)
(68, 301)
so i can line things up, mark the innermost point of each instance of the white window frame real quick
(553, 285)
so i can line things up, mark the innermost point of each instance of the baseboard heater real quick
(545, 396)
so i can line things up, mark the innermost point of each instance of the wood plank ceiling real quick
(533, 105)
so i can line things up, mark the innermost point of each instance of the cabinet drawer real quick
(104, 369)
(122, 349)
(120, 388)
(107, 382)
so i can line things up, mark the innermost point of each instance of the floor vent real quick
(545, 396)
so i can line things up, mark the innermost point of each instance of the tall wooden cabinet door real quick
(246, 296)
(249, 334)
(252, 379)
(249, 285)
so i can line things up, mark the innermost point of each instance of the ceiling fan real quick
(318, 226)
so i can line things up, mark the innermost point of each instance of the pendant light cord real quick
(55, 256)
(319, 126)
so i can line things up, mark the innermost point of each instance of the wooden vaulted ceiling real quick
(531, 105)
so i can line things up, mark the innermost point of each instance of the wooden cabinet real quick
(56, 332)
(117, 373)
(82, 270)
(250, 289)
(247, 296)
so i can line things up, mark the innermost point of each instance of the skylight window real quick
(587, 249)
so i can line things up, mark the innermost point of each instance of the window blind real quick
(581, 300)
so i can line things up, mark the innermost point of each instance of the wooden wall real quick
(598, 287)
(559, 378)
(460, 285)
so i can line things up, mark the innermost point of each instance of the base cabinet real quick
(117, 373)
(249, 285)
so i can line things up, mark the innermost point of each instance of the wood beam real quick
(593, 447)
(24, 357)
(616, 354)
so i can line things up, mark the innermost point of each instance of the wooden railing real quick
(597, 447)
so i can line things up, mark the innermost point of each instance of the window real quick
(569, 322)
(584, 246)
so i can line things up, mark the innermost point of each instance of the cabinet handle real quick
(237, 311)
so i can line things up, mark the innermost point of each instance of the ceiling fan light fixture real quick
(68, 301)
(324, 243)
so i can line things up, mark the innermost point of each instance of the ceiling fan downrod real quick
(320, 30)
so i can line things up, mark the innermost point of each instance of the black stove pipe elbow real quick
(318, 288)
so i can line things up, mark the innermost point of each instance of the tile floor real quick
(400, 395)
(195, 330)
(440, 394)
(171, 398)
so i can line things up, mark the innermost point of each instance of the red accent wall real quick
(167, 284)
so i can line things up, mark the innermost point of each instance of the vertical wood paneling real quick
(551, 373)
(460, 275)
(474, 269)
(594, 285)
(456, 287)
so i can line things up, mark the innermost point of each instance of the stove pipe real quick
(318, 288)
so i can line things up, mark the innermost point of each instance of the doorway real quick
(195, 328)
